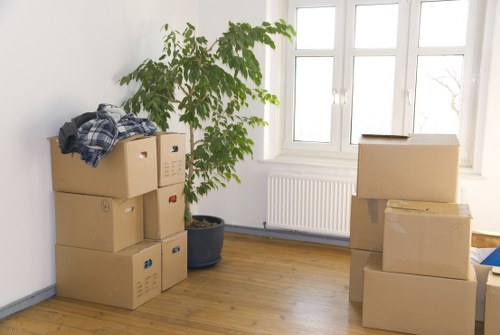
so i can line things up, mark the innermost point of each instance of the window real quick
(381, 66)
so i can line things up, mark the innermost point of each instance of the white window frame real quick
(292, 53)
(344, 53)
(400, 66)
(470, 75)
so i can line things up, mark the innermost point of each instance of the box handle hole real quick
(129, 209)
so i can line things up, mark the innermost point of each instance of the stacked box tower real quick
(410, 240)
(102, 253)
(164, 208)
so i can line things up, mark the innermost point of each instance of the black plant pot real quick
(205, 244)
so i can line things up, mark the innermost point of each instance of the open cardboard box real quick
(127, 171)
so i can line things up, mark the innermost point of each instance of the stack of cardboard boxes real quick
(488, 285)
(164, 209)
(103, 254)
(410, 240)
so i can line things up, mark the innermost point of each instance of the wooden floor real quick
(262, 286)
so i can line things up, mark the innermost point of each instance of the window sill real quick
(348, 164)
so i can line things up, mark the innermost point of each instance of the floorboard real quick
(262, 286)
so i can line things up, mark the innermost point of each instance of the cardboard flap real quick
(130, 138)
(380, 136)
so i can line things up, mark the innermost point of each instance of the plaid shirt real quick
(98, 137)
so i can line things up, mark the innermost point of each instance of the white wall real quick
(59, 59)
(482, 193)
(245, 204)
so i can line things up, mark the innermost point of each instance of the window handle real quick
(335, 97)
(345, 97)
(409, 97)
(339, 97)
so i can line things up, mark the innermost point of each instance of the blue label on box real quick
(148, 263)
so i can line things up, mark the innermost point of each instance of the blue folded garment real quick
(493, 259)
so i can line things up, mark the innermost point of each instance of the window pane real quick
(437, 98)
(376, 26)
(372, 96)
(313, 98)
(316, 28)
(443, 23)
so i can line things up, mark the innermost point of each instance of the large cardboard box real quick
(164, 211)
(127, 278)
(482, 240)
(492, 309)
(359, 258)
(427, 238)
(418, 304)
(129, 170)
(367, 223)
(174, 260)
(419, 167)
(99, 223)
(171, 158)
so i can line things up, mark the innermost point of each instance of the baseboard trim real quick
(27, 301)
(290, 235)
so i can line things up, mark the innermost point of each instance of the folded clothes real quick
(97, 137)
(478, 255)
(94, 134)
(68, 133)
(493, 258)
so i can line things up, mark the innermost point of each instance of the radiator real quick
(317, 205)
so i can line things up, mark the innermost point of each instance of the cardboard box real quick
(129, 170)
(99, 223)
(174, 260)
(481, 239)
(359, 258)
(126, 279)
(171, 158)
(418, 304)
(421, 167)
(164, 211)
(492, 310)
(367, 223)
(478, 255)
(427, 238)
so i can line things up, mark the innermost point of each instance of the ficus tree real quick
(207, 86)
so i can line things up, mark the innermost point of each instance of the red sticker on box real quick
(172, 199)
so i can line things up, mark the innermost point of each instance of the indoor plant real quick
(207, 86)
